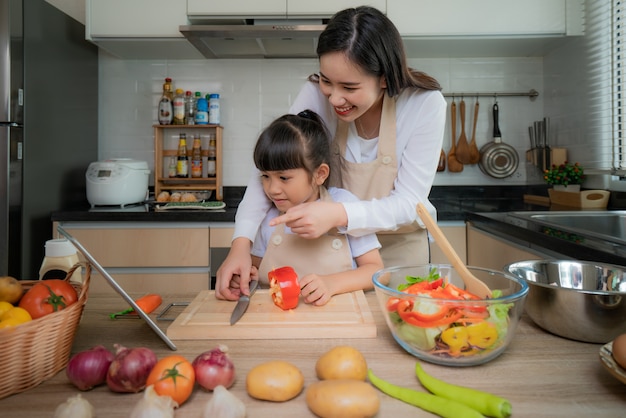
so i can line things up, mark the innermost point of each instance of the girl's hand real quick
(313, 219)
(233, 276)
(315, 290)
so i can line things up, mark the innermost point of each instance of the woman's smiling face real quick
(350, 90)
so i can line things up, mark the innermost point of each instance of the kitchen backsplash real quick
(255, 91)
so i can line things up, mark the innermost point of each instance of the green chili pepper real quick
(435, 404)
(486, 403)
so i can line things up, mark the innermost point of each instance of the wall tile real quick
(255, 91)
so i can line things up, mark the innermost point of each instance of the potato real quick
(341, 362)
(276, 381)
(342, 398)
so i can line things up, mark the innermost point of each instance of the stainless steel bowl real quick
(578, 300)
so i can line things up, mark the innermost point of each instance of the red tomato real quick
(284, 287)
(173, 376)
(47, 297)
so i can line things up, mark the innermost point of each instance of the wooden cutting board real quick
(346, 315)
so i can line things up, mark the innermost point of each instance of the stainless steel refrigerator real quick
(48, 126)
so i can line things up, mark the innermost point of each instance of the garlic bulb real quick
(224, 404)
(154, 406)
(75, 407)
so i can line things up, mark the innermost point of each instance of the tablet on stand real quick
(116, 286)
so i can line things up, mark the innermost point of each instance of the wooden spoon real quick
(441, 166)
(462, 147)
(473, 149)
(454, 166)
(472, 283)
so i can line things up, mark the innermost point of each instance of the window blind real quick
(618, 78)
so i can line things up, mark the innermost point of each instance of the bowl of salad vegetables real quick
(434, 318)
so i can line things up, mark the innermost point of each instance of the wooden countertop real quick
(541, 374)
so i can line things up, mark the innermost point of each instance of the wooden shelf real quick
(165, 146)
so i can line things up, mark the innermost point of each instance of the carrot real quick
(147, 303)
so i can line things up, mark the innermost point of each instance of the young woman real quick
(387, 121)
(293, 157)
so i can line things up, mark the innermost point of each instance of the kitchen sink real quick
(608, 225)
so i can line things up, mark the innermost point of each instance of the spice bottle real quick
(211, 159)
(196, 157)
(182, 162)
(165, 109)
(60, 256)
(179, 108)
(190, 108)
(202, 112)
(214, 109)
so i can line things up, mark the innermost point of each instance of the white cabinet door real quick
(135, 18)
(326, 8)
(226, 8)
(480, 17)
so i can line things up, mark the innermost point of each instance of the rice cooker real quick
(117, 182)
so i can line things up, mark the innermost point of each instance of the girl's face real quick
(289, 188)
(350, 90)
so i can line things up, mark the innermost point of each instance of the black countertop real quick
(453, 203)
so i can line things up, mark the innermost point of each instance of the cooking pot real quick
(498, 159)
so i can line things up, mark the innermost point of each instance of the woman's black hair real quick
(293, 141)
(371, 40)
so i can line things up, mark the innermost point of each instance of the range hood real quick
(253, 38)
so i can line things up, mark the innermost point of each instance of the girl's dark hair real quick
(370, 40)
(293, 141)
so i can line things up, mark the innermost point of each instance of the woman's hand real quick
(233, 276)
(313, 219)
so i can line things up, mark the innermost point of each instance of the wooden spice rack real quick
(166, 146)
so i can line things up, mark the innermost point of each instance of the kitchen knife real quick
(242, 304)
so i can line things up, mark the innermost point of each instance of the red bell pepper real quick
(284, 287)
(445, 316)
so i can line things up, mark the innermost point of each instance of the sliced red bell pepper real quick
(424, 286)
(284, 287)
(445, 316)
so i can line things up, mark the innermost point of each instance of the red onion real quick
(89, 368)
(130, 369)
(214, 368)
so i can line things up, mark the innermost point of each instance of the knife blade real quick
(242, 304)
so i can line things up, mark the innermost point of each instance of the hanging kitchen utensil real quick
(473, 148)
(530, 154)
(462, 147)
(497, 159)
(454, 166)
(442, 161)
(546, 144)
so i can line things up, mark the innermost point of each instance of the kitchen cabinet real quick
(166, 139)
(280, 9)
(454, 18)
(489, 251)
(146, 257)
(139, 29)
(455, 233)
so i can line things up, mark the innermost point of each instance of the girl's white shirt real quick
(420, 124)
(358, 245)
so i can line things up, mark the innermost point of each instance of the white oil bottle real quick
(60, 258)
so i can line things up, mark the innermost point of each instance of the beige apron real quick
(327, 254)
(374, 180)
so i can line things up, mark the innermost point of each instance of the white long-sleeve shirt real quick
(420, 117)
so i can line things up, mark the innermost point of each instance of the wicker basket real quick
(37, 350)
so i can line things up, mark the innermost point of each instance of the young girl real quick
(387, 123)
(293, 156)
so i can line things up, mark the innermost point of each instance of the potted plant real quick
(565, 177)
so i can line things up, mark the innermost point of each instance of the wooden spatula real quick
(472, 283)
(454, 166)
(473, 148)
(462, 147)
